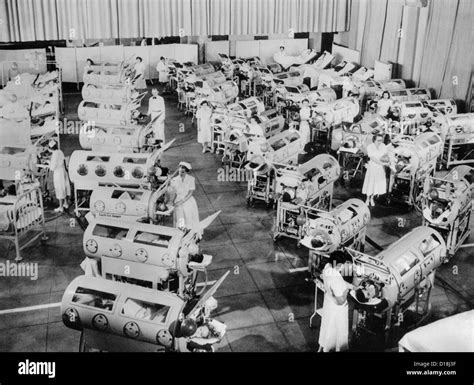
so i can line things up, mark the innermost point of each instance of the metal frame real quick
(25, 224)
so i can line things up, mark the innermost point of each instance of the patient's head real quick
(366, 291)
(317, 242)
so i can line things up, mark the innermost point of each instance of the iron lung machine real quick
(103, 93)
(115, 316)
(302, 192)
(246, 108)
(281, 148)
(264, 156)
(341, 110)
(415, 160)
(116, 138)
(113, 307)
(91, 168)
(264, 126)
(224, 116)
(344, 226)
(402, 277)
(351, 141)
(129, 203)
(305, 183)
(107, 73)
(447, 205)
(159, 257)
(105, 113)
(458, 134)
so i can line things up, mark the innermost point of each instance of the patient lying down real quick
(367, 293)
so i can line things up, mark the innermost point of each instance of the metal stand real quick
(318, 287)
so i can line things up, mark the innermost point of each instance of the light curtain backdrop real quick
(27, 20)
(433, 46)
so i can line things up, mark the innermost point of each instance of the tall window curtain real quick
(128, 19)
(430, 46)
(286, 16)
(373, 31)
(109, 27)
(164, 17)
(458, 74)
(390, 39)
(447, 63)
(438, 40)
(199, 17)
(71, 19)
(252, 17)
(219, 17)
(27, 20)
(323, 15)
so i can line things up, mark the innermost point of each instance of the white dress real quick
(334, 333)
(62, 187)
(156, 107)
(140, 80)
(305, 131)
(375, 182)
(203, 116)
(383, 106)
(162, 72)
(186, 214)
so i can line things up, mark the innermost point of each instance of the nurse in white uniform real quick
(162, 69)
(203, 115)
(156, 109)
(305, 131)
(186, 214)
(334, 333)
(375, 179)
(62, 187)
(384, 104)
(139, 79)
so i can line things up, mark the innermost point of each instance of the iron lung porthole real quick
(82, 170)
(118, 172)
(100, 322)
(131, 329)
(100, 171)
(137, 173)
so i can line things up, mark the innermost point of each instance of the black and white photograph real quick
(237, 177)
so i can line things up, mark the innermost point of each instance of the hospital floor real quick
(266, 301)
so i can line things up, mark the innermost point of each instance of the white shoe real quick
(58, 210)
(66, 206)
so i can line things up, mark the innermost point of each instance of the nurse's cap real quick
(185, 164)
